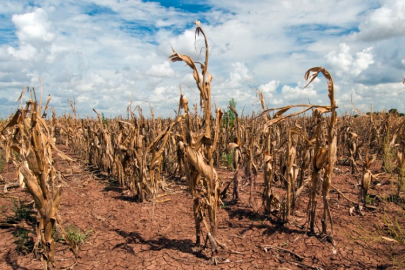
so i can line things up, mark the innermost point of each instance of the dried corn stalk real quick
(290, 168)
(270, 199)
(236, 163)
(291, 175)
(325, 156)
(32, 141)
(401, 160)
(197, 150)
(324, 152)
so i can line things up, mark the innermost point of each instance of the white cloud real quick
(384, 22)
(276, 102)
(240, 72)
(34, 31)
(165, 97)
(25, 52)
(382, 96)
(363, 60)
(183, 44)
(342, 60)
(104, 53)
(347, 65)
(34, 26)
(298, 94)
(269, 87)
(161, 70)
(237, 76)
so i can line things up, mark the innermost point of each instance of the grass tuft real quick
(77, 236)
(24, 241)
(20, 212)
(394, 229)
(227, 158)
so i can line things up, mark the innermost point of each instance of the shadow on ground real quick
(182, 245)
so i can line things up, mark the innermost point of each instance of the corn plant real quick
(197, 150)
(401, 162)
(31, 139)
(325, 153)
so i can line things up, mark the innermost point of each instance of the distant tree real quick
(229, 116)
(393, 111)
(104, 120)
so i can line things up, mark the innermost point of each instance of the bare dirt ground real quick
(123, 234)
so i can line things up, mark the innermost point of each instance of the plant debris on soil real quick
(124, 234)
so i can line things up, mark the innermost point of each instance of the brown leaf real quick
(282, 111)
(198, 162)
(22, 93)
(366, 180)
(232, 146)
(312, 73)
(15, 120)
(389, 239)
(180, 57)
(267, 158)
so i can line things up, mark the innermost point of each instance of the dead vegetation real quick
(295, 148)
(30, 145)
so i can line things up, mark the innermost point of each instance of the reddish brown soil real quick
(124, 234)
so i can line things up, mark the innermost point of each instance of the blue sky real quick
(107, 53)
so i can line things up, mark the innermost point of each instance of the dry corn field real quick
(286, 188)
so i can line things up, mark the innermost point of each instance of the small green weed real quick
(370, 200)
(227, 158)
(20, 212)
(22, 237)
(388, 157)
(394, 229)
(76, 236)
(224, 206)
(25, 243)
(284, 244)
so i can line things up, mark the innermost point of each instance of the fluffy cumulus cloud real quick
(345, 64)
(34, 26)
(299, 94)
(234, 85)
(164, 95)
(34, 31)
(184, 43)
(269, 88)
(106, 54)
(161, 70)
(238, 75)
(384, 22)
